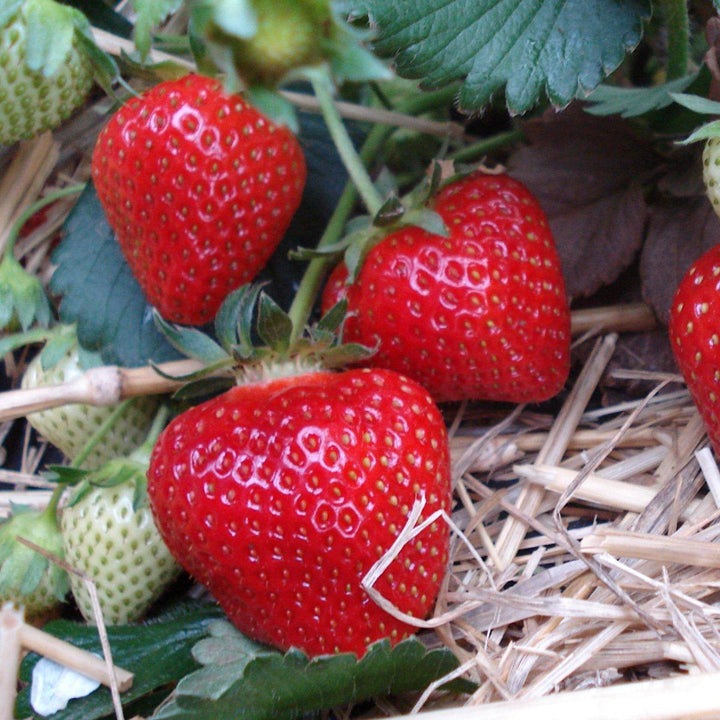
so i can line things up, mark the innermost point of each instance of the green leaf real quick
(631, 102)
(234, 319)
(351, 62)
(428, 220)
(262, 685)
(333, 318)
(22, 297)
(704, 132)
(274, 106)
(158, 652)
(150, 13)
(100, 294)
(235, 17)
(563, 48)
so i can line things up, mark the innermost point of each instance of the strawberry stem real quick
(678, 42)
(319, 78)
(316, 270)
(35, 208)
(98, 435)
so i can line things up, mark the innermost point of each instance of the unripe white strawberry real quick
(711, 171)
(109, 534)
(69, 427)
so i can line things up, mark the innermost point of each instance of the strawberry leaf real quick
(563, 48)
(252, 683)
(99, 292)
(158, 652)
(631, 102)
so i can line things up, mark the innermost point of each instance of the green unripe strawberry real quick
(276, 37)
(27, 578)
(70, 427)
(711, 171)
(109, 534)
(288, 36)
(37, 93)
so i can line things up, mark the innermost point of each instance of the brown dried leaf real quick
(679, 231)
(586, 172)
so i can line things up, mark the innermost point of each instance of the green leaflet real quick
(253, 683)
(561, 48)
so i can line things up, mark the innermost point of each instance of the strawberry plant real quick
(365, 221)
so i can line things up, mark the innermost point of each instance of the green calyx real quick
(365, 231)
(27, 577)
(130, 470)
(23, 301)
(255, 340)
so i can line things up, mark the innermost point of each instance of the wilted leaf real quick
(587, 173)
(679, 231)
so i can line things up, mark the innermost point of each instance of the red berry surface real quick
(481, 314)
(280, 496)
(695, 337)
(199, 188)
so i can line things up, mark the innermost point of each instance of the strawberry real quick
(38, 90)
(711, 171)
(199, 188)
(287, 34)
(281, 493)
(109, 534)
(70, 427)
(694, 331)
(479, 314)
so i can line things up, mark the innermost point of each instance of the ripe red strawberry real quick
(481, 314)
(279, 497)
(695, 337)
(200, 188)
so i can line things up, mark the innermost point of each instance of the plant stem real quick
(486, 145)
(98, 435)
(36, 207)
(314, 275)
(678, 29)
(316, 270)
(322, 87)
